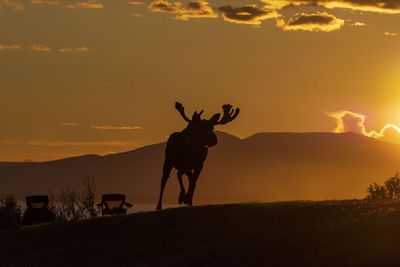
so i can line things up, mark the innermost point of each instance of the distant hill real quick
(262, 167)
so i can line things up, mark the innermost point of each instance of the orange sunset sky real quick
(97, 77)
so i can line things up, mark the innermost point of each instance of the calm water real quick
(137, 207)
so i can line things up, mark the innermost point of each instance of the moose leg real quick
(166, 170)
(189, 195)
(182, 194)
(192, 185)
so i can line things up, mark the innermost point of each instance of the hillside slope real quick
(330, 233)
(263, 167)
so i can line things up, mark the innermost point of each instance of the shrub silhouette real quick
(10, 213)
(88, 194)
(376, 192)
(75, 205)
(69, 208)
(389, 191)
(392, 186)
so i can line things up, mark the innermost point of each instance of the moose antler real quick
(229, 114)
(179, 107)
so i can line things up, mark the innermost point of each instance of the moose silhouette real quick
(187, 150)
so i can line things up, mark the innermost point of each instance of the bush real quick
(69, 207)
(376, 192)
(389, 191)
(88, 194)
(74, 205)
(10, 213)
(393, 187)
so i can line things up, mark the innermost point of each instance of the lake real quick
(137, 207)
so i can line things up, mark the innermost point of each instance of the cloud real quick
(13, 4)
(249, 14)
(67, 143)
(378, 6)
(19, 4)
(136, 2)
(73, 50)
(109, 127)
(165, 6)
(90, 4)
(358, 24)
(70, 123)
(312, 22)
(138, 15)
(347, 121)
(102, 127)
(391, 34)
(10, 47)
(194, 9)
(45, 2)
(37, 47)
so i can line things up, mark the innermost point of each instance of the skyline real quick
(84, 77)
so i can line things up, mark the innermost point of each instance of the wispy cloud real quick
(358, 24)
(138, 15)
(109, 127)
(10, 47)
(194, 9)
(15, 5)
(74, 50)
(70, 123)
(312, 22)
(348, 121)
(45, 2)
(90, 4)
(37, 47)
(136, 2)
(67, 143)
(102, 127)
(391, 34)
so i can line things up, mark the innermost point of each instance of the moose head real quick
(202, 130)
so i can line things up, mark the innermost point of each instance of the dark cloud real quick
(194, 9)
(380, 6)
(194, 5)
(249, 14)
(312, 19)
(164, 6)
(312, 22)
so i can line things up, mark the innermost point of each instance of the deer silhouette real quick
(187, 150)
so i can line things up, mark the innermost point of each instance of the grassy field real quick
(333, 233)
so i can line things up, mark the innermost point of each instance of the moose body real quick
(187, 150)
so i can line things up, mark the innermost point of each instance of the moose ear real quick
(196, 116)
(214, 119)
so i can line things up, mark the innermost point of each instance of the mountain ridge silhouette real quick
(261, 167)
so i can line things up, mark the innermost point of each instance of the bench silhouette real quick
(113, 204)
(37, 210)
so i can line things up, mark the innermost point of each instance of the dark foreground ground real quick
(333, 233)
